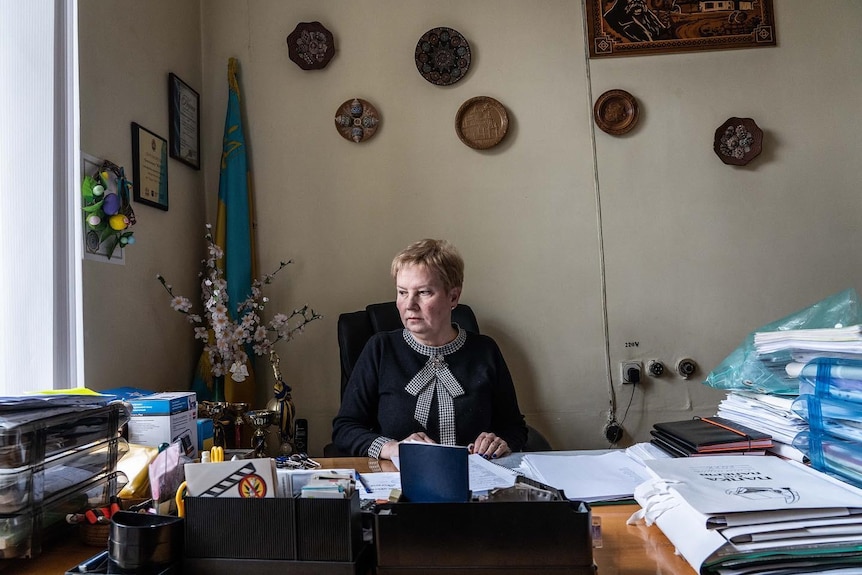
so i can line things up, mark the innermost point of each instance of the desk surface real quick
(626, 549)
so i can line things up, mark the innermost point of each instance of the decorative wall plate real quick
(356, 120)
(616, 112)
(442, 56)
(738, 141)
(481, 122)
(310, 45)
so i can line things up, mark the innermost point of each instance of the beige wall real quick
(126, 49)
(696, 253)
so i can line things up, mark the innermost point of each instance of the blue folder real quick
(434, 473)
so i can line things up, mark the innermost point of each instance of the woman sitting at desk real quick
(433, 381)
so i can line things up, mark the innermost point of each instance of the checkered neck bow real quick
(435, 376)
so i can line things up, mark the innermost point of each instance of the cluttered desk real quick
(772, 483)
(625, 549)
(633, 539)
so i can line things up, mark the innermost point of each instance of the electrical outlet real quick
(686, 367)
(655, 368)
(631, 371)
(613, 432)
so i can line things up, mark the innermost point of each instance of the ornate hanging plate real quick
(481, 122)
(356, 120)
(442, 56)
(310, 45)
(616, 112)
(738, 141)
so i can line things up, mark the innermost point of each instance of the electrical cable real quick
(612, 400)
(631, 397)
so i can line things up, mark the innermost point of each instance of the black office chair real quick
(356, 328)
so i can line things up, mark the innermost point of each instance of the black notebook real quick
(675, 449)
(711, 434)
(432, 473)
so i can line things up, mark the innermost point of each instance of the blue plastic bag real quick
(745, 369)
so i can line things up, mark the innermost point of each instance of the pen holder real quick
(141, 543)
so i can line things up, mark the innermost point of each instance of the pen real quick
(364, 483)
(95, 563)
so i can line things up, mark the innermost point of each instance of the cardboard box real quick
(164, 418)
(165, 403)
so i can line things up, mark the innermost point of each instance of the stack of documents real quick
(611, 476)
(772, 414)
(734, 515)
(831, 401)
(839, 339)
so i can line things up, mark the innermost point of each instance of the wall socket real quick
(631, 372)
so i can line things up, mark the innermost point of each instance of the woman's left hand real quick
(489, 446)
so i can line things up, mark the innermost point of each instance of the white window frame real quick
(41, 309)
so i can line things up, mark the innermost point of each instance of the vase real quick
(218, 388)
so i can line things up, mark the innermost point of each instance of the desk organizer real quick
(226, 535)
(30, 443)
(55, 461)
(481, 538)
(26, 486)
(22, 534)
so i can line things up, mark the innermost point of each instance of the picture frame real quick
(634, 27)
(185, 120)
(150, 167)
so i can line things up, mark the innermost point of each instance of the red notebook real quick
(712, 434)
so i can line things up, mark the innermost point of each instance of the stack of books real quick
(709, 436)
(753, 515)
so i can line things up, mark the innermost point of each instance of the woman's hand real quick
(390, 448)
(489, 446)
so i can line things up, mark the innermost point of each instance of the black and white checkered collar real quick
(442, 350)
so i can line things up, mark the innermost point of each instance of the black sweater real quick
(376, 404)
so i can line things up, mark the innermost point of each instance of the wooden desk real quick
(626, 549)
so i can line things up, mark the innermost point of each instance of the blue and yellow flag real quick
(233, 234)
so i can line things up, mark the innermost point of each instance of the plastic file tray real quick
(482, 538)
(232, 535)
(22, 534)
(41, 437)
(29, 486)
(832, 455)
(834, 378)
(830, 416)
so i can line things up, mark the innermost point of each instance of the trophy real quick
(215, 410)
(282, 406)
(260, 419)
(237, 410)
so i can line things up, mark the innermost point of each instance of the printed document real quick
(611, 476)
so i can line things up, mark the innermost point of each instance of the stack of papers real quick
(612, 476)
(731, 515)
(839, 339)
(772, 414)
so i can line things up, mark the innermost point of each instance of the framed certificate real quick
(185, 119)
(150, 164)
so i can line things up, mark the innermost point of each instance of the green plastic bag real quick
(745, 369)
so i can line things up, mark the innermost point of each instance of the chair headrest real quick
(384, 316)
